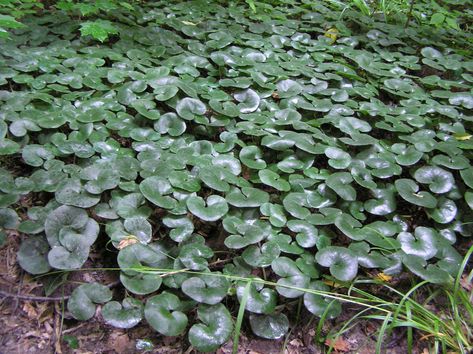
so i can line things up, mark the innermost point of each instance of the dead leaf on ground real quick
(30, 310)
(465, 283)
(339, 344)
(120, 342)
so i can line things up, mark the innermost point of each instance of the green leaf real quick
(189, 108)
(141, 283)
(290, 276)
(10, 22)
(163, 313)
(247, 197)
(216, 328)
(339, 182)
(32, 255)
(194, 255)
(275, 212)
(439, 180)
(125, 315)
(409, 191)
(71, 192)
(274, 180)
(8, 219)
(98, 29)
(288, 88)
(320, 305)
(251, 156)
(423, 245)
(429, 272)
(445, 212)
(467, 176)
(171, 124)
(208, 289)
(214, 208)
(437, 19)
(261, 256)
(155, 189)
(82, 302)
(338, 158)
(342, 262)
(269, 326)
(307, 234)
(260, 300)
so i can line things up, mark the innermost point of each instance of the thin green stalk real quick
(241, 313)
(382, 331)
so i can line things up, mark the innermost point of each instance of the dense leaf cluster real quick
(200, 130)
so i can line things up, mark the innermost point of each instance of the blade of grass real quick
(382, 331)
(241, 312)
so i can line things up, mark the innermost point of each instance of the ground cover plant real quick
(231, 159)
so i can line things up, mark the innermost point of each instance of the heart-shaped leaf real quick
(251, 156)
(269, 326)
(249, 100)
(343, 262)
(261, 256)
(291, 277)
(288, 88)
(260, 300)
(423, 245)
(321, 305)
(82, 302)
(211, 210)
(208, 289)
(125, 315)
(215, 330)
(409, 191)
(141, 283)
(247, 197)
(189, 108)
(338, 158)
(72, 193)
(307, 234)
(274, 180)
(439, 180)
(339, 182)
(163, 313)
(32, 255)
(155, 189)
(429, 272)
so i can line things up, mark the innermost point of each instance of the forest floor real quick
(31, 325)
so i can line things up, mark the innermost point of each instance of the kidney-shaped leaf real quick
(163, 313)
(208, 289)
(82, 302)
(423, 245)
(260, 300)
(291, 277)
(318, 304)
(215, 330)
(409, 190)
(269, 326)
(343, 262)
(155, 189)
(439, 180)
(125, 315)
(32, 255)
(188, 108)
(211, 210)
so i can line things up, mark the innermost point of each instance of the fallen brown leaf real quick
(30, 310)
(127, 241)
(467, 285)
(339, 344)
